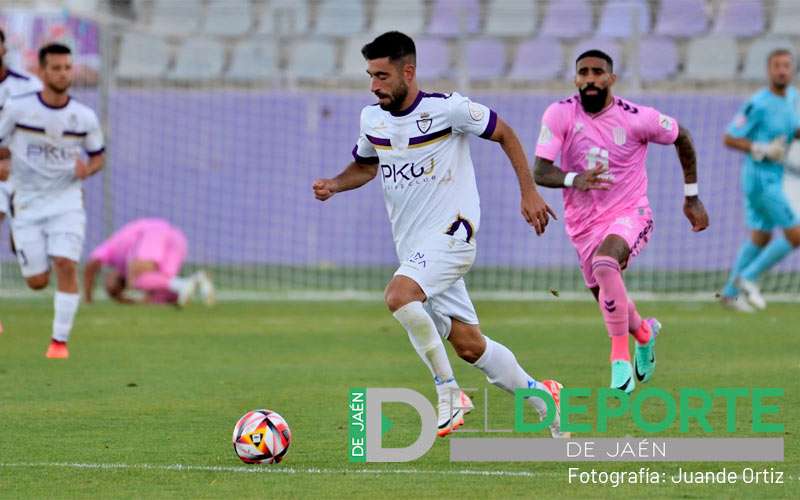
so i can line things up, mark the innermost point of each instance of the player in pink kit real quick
(602, 141)
(147, 255)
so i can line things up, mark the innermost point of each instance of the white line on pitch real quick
(267, 469)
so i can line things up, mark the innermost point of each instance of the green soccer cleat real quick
(622, 376)
(644, 359)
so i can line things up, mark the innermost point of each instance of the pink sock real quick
(152, 281)
(613, 304)
(642, 335)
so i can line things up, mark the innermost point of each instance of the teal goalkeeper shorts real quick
(766, 205)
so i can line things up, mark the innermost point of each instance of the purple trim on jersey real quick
(430, 137)
(362, 159)
(413, 106)
(14, 74)
(75, 134)
(39, 95)
(490, 126)
(29, 128)
(97, 152)
(377, 141)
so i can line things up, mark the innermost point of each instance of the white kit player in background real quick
(419, 145)
(11, 84)
(48, 134)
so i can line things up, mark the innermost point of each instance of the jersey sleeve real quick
(745, 121)
(657, 127)
(551, 133)
(364, 152)
(93, 142)
(8, 122)
(467, 117)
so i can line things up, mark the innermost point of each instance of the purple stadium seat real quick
(740, 18)
(433, 58)
(537, 59)
(572, 19)
(658, 59)
(617, 19)
(486, 58)
(682, 18)
(452, 17)
(607, 45)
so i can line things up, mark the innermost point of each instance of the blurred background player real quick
(46, 134)
(146, 255)
(762, 128)
(603, 141)
(11, 84)
(420, 144)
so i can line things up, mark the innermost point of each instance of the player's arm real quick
(5, 163)
(90, 273)
(84, 170)
(353, 176)
(94, 145)
(547, 174)
(692, 206)
(738, 135)
(7, 126)
(533, 207)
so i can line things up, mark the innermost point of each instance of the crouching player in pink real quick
(603, 142)
(146, 255)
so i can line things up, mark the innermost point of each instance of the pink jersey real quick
(616, 137)
(133, 241)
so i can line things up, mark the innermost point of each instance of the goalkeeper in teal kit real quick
(762, 128)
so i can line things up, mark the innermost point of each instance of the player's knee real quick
(395, 299)
(38, 282)
(470, 352)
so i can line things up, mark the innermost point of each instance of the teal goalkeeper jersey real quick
(765, 117)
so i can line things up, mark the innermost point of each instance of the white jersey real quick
(15, 84)
(44, 143)
(425, 165)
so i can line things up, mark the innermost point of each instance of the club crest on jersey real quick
(665, 122)
(475, 112)
(545, 136)
(424, 123)
(619, 136)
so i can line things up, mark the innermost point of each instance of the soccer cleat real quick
(206, 287)
(554, 388)
(57, 350)
(752, 293)
(188, 290)
(622, 376)
(736, 304)
(453, 405)
(644, 359)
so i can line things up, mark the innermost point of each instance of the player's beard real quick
(593, 103)
(396, 98)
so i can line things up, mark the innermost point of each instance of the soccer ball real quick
(261, 437)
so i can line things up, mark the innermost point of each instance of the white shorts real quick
(5, 198)
(37, 240)
(438, 266)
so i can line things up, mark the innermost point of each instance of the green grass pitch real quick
(151, 388)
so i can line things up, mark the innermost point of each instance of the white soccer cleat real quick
(453, 405)
(188, 290)
(554, 388)
(753, 293)
(736, 304)
(206, 287)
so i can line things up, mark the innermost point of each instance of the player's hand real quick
(5, 169)
(594, 178)
(535, 211)
(82, 169)
(696, 213)
(772, 151)
(324, 189)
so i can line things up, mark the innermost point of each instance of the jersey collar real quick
(39, 95)
(410, 109)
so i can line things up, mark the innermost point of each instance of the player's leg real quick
(30, 245)
(65, 234)
(778, 212)
(154, 265)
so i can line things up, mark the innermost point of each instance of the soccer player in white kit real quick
(47, 135)
(11, 84)
(418, 143)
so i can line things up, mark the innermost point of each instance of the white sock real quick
(177, 284)
(65, 305)
(426, 341)
(502, 369)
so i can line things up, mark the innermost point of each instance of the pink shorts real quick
(167, 248)
(634, 226)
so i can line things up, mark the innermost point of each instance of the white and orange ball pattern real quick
(261, 437)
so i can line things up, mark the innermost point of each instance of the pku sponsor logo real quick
(52, 153)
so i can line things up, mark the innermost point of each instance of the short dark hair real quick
(52, 48)
(392, 44)
(779, 52)
(599, 54)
